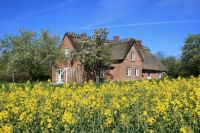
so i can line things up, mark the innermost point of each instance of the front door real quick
(60, 76)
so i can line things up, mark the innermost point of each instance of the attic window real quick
(132, 56)
(67, 52)
(128, 71)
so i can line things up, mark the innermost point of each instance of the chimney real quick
(139, 44)
(116, 38)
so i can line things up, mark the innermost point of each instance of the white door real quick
(60, 76)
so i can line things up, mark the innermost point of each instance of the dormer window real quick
(132, 56)
(67, 52)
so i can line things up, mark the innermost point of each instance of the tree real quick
(94, 54)
(191, 56)
(160, 56)
(30, 53)
(171, 62)
(173, 65)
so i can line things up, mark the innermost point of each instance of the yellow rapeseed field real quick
(168, 105)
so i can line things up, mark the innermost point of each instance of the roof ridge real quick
(80, 36)
(85, 36)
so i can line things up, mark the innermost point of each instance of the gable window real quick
(132, 56)
(136, 72)
(67, 52)
(128, 71)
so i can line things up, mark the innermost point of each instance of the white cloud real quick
(152, 23)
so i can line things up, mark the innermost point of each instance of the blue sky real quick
(162, 25)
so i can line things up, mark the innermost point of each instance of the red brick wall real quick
(119, 71)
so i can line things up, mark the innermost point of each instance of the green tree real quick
(94, 54)
(191, 56)
(171, 62)
(30, 53)
(173, 65)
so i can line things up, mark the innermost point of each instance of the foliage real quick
(94, 54)
(139, 106)
(173, 65)
(191, 55)
(171, 62)
(30, 53)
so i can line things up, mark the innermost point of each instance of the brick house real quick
(131, 61)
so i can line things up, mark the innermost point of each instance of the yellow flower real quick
(49, 125)
(7, 128)
(124, 119)
(22, 116)
(151, 131)
(151, 120)
(144, 113)
(49, 122)
(68, 118)
(107, 112)
(183, 130)
(49, 81)
(108, 122)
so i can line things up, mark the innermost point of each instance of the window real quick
(128, 71)
(67, 52)
(159, 75)
(149, 76)
(136, 72)
(132, 56)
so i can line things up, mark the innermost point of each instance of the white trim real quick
(136, 72)
(128, 71)
(60, 75)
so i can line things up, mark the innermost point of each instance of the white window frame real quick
(159, 75)
(149, 76)
(67, 52)
(132, 56)
(136, 72)
(128, 71)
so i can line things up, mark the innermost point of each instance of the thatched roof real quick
(120, 50)
(150, 62)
